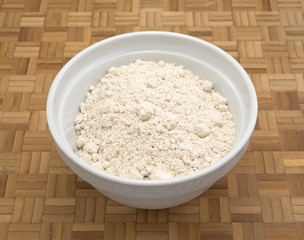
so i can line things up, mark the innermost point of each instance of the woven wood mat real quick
(261, 198)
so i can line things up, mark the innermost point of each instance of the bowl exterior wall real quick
(153, 197)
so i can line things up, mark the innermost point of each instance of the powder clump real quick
(153, 121)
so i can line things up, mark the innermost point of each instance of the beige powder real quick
(150, 120)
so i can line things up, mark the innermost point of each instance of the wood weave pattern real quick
(261, 198)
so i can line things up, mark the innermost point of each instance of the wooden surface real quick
(261, 198)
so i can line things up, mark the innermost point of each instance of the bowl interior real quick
(203, 59)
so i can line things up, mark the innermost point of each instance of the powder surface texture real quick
(153, 121)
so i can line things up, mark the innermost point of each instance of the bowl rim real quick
(146, 183)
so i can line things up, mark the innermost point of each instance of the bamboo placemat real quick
(261, 198)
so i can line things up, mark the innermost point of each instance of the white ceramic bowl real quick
(202, 58)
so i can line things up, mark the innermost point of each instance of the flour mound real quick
(153, 121)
